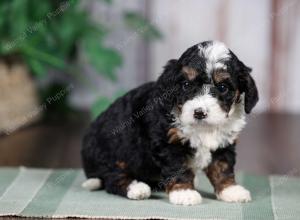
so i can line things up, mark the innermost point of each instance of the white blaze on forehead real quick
(215, 53)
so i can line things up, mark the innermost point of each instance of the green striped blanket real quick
(57, 193)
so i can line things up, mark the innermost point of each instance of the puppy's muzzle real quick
(199, 114)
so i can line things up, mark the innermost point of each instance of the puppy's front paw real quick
(185, 197)
(234, 193)
(138, 190)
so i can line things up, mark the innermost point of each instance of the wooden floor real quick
(270, 144)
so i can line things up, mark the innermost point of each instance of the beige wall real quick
(246, 27)
(265, 34)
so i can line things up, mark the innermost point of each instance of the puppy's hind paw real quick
(92, 184)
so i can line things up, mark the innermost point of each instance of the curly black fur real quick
(133, 130)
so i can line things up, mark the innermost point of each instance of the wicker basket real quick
(18, 96)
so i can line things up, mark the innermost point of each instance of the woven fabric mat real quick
(58, 193)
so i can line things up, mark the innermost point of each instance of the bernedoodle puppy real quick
(158, 135)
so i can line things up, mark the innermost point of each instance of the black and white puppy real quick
(158, 135)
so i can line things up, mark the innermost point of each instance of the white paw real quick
(235, 193)
(138, 190)
(185, 197)
(92, 184)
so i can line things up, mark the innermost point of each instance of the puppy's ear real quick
(171, 65)
(169, 72)
(166, 84)
(248, 86)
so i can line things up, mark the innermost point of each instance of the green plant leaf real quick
(43, 56)
(118, 94)
(108, 1)
(100, 106)
(104, 60)
(18, 18)
(141, 25)
(37, 68)
(4, 11)
(38, 9)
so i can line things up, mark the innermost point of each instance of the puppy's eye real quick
(223, 88)
(185, 85)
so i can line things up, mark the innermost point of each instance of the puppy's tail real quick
(92, 184)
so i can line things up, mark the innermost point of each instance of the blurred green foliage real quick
(48, 33)
(141, 25)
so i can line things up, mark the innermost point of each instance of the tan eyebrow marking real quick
(220, 76)
(121, 164)
(190, 72)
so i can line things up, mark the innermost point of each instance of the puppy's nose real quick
(199, 114)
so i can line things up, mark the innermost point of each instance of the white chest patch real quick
(208, 138)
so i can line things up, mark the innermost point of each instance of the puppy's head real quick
(211, 81)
